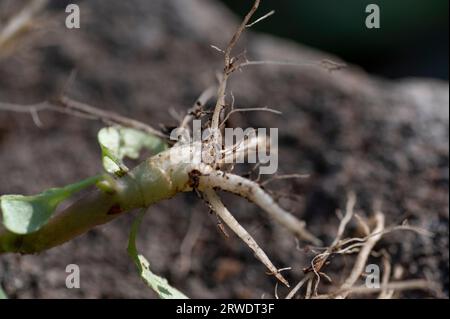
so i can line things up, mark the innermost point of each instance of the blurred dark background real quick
(412, 40)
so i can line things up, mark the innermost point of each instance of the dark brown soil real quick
(386, 141)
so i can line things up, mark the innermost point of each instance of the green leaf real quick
(158, 284)
(2, 293)
(27, 214)
(118, 142)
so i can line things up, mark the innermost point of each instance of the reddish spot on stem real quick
(115, 209)
(194, 178)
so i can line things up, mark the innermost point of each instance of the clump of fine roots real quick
(372, 230)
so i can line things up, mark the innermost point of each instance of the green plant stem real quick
(143, 186)
(83, 215)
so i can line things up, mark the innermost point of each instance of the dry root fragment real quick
(253, 192)
(20, 23)
(395, 286)
(364, 253)
(71, 107)
(217, 206)
(294, 291)
(364, 247)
